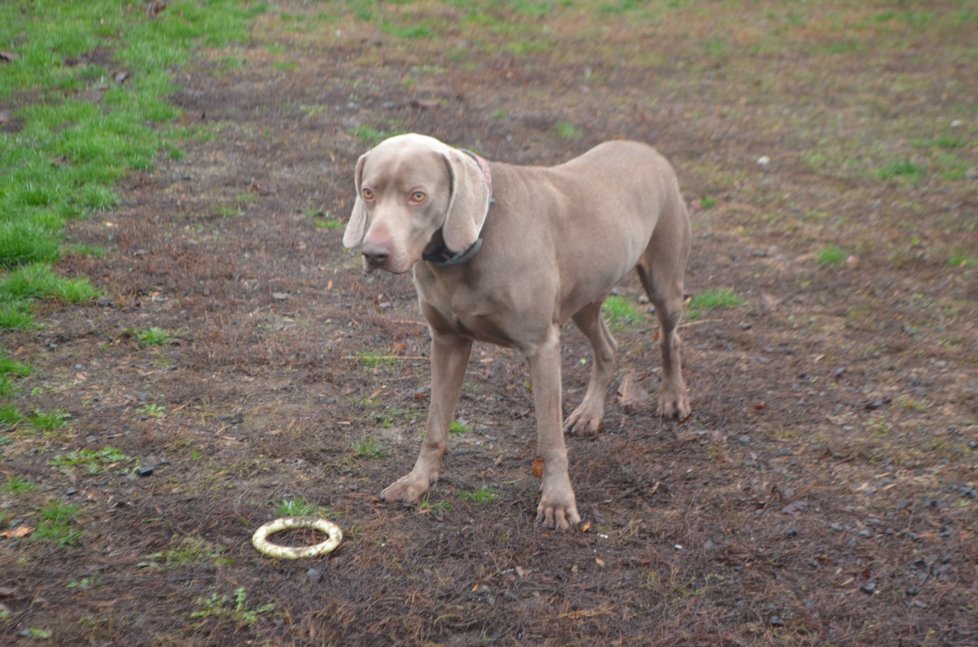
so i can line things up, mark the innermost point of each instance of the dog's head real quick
(408, 188)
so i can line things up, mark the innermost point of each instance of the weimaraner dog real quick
(506, 254)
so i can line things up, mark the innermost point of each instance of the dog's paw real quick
(586, 419)
(558, 508)
(408, 489)
(674, 404)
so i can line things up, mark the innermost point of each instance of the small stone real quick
(872, 405)
(145, 470)
(314, 575)
(280, 296)
(852, 261)
(763, 161)
(912, 591)
(744, 440)
(956, 123)
(868, 588)
(776, 621)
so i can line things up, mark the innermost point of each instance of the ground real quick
(822, 492)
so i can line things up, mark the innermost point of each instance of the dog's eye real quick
(367, 194)
(417, 197)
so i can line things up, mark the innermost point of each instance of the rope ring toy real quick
(260, 539)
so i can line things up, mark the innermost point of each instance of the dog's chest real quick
(463, 311)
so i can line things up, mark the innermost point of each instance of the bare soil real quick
(822, 493)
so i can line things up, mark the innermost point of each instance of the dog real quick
(507, 254)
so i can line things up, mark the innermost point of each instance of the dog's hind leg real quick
(662, 269)
(587, 417)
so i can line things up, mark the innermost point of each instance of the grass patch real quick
(567, 130)
(153, 336)
(79, 130)
(712, 300)
(438, 507)
(189, 551)
(369, 449)
(152, 410)
(478, 495)
(295, 508)
(92, 461)
(10, 368)
(831, 255)
(375, 360)
(903, 170)
(17, 485)
(962, 260)
(324, 219)
(47, 420)
(55, 524)
(458, 428)
(620, 311)
(370, 135)
(234, 607)
(10, 416)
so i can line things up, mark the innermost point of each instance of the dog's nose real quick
(375, 253)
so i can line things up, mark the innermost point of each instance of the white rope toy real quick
(261, 543)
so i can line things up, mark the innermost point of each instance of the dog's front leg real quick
(557, 504)
(449, 357)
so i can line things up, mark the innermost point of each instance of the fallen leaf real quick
(538, 467)
(16, 533)
(585, 526)
(631, 391)
(599, 561)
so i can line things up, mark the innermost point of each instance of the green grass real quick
(152, 336)
(234, 607)
(10, 416)
(373, 360)
(831, 255)
(620, 311)
(902, 169)
(47, 420)
(17, 485)
(567, 130)
(78, 130)
(370, 135)
(152, 410)
(190, 551)
(324, 219)
(458, 428)
(92, 461)
(962, 260)
(295, 508)
(55, 524)
(369, 449)
(712, 300)
(10, 368)
(478, 495)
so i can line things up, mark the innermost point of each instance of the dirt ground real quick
(822, 493)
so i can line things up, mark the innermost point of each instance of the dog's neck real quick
(439, 254)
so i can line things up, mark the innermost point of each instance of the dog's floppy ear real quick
(468, 204)
(356, 228)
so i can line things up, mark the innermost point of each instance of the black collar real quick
(444, 257)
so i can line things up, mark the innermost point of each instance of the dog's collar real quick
(444, 257)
